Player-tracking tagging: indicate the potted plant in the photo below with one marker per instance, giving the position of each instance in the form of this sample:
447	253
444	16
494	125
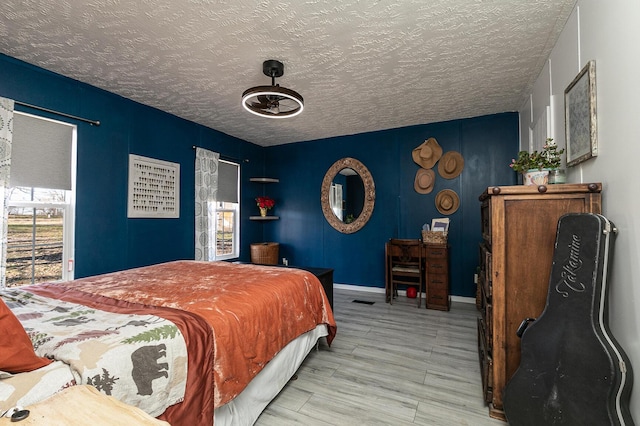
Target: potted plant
535	166
551	155
553	161
265	203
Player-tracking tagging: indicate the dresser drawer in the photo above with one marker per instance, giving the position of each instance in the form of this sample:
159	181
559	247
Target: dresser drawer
488	318
436	251
486	311
482	291
437	267
486	364
485	269
437	282
485	218
438	296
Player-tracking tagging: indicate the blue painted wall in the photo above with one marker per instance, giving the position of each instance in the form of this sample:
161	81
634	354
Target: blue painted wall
487	145
107	241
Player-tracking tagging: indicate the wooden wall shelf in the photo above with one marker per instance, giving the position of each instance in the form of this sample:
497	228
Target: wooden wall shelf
264	180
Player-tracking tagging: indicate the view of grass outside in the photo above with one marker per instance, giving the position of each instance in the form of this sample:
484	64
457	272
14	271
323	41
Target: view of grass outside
34	257
224	231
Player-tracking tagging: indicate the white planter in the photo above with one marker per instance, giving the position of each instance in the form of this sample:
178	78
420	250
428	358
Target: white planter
535	177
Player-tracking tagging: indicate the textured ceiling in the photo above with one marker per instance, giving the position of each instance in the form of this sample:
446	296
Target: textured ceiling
361	65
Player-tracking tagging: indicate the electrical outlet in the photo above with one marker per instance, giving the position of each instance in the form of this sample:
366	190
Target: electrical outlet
285	261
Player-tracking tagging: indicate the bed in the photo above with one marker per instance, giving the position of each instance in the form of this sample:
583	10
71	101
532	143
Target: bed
185	341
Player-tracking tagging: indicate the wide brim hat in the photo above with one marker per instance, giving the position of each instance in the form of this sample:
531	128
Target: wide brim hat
450	164
424	181
447	201
427	154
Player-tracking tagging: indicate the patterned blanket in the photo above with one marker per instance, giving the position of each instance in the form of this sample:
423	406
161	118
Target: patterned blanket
28	388
234	319
138	359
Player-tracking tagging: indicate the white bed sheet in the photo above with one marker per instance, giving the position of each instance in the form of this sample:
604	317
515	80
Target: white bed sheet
245	408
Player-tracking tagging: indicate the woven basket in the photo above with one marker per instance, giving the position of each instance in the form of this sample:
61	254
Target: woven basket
434	237
265	253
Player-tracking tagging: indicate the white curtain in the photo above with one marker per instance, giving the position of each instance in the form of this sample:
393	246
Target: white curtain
206	194
6	136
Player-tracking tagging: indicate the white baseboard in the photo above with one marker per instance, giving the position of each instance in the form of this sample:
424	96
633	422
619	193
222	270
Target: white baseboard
362	288
463	299
352	287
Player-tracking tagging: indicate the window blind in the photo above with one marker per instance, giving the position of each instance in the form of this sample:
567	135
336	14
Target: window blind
41	153
227	182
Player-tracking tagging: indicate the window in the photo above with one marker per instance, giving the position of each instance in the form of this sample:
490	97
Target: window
225	230
38	218
226	212
41	202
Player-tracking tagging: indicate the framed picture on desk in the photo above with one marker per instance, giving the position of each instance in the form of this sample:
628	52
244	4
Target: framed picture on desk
440	225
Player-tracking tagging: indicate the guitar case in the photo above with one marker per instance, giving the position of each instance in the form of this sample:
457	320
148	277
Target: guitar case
572	371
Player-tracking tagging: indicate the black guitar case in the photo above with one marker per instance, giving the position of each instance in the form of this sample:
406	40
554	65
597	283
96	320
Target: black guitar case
572	371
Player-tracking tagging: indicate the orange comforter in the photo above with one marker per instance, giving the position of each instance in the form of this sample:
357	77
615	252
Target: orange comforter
253	311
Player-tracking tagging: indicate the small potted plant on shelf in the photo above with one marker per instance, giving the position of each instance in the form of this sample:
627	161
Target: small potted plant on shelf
535	166
265	203
553	161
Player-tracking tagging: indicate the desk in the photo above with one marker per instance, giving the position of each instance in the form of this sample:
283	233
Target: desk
435	261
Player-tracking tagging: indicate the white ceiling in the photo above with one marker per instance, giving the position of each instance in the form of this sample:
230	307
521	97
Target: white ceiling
361	65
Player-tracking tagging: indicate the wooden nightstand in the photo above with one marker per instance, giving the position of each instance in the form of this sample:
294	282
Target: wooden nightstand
325	275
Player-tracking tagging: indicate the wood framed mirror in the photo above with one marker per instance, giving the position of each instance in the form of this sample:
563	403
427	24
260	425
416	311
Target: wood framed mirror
347	179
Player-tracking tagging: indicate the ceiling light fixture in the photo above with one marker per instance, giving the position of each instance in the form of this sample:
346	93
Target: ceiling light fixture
272	101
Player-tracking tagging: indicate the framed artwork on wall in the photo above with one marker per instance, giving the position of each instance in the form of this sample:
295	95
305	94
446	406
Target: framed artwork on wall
580	116
154	188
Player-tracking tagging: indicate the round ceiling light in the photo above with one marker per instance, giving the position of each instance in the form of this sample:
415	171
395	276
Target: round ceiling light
272	101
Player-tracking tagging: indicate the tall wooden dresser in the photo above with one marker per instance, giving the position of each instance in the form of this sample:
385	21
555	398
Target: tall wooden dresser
518	232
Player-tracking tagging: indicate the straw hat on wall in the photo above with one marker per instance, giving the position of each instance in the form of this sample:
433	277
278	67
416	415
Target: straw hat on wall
450	164
427	154
447	201
423	183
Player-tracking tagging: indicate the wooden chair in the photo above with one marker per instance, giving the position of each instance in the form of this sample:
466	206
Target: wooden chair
404	266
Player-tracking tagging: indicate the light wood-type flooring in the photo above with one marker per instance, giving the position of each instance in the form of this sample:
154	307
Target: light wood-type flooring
388	365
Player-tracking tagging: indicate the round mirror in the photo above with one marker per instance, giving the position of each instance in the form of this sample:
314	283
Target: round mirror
347	195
